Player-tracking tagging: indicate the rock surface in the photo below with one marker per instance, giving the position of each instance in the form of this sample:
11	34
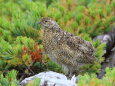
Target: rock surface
109	40
51	79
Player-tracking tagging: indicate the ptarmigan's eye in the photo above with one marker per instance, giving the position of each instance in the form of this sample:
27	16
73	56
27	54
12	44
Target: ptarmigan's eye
46	21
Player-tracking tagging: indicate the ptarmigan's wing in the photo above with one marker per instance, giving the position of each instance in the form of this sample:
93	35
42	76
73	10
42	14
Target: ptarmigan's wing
83	49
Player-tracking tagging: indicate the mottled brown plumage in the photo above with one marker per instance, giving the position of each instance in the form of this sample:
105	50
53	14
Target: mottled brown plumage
67	50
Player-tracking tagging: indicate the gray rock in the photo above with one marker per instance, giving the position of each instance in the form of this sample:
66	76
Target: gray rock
51	79
109	40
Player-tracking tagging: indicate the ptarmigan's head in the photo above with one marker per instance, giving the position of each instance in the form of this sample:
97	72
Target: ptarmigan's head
48	23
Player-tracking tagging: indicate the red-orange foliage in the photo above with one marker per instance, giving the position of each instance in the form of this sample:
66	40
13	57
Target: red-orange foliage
36	53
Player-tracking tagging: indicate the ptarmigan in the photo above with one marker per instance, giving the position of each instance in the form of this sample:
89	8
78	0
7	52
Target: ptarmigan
69	51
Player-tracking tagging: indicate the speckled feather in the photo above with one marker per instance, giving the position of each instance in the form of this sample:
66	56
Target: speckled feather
66	49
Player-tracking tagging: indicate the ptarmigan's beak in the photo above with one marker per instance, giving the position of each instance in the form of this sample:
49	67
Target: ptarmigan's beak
38	22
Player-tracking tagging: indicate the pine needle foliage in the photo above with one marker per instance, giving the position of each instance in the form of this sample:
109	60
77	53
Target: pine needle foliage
10	79
107	80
